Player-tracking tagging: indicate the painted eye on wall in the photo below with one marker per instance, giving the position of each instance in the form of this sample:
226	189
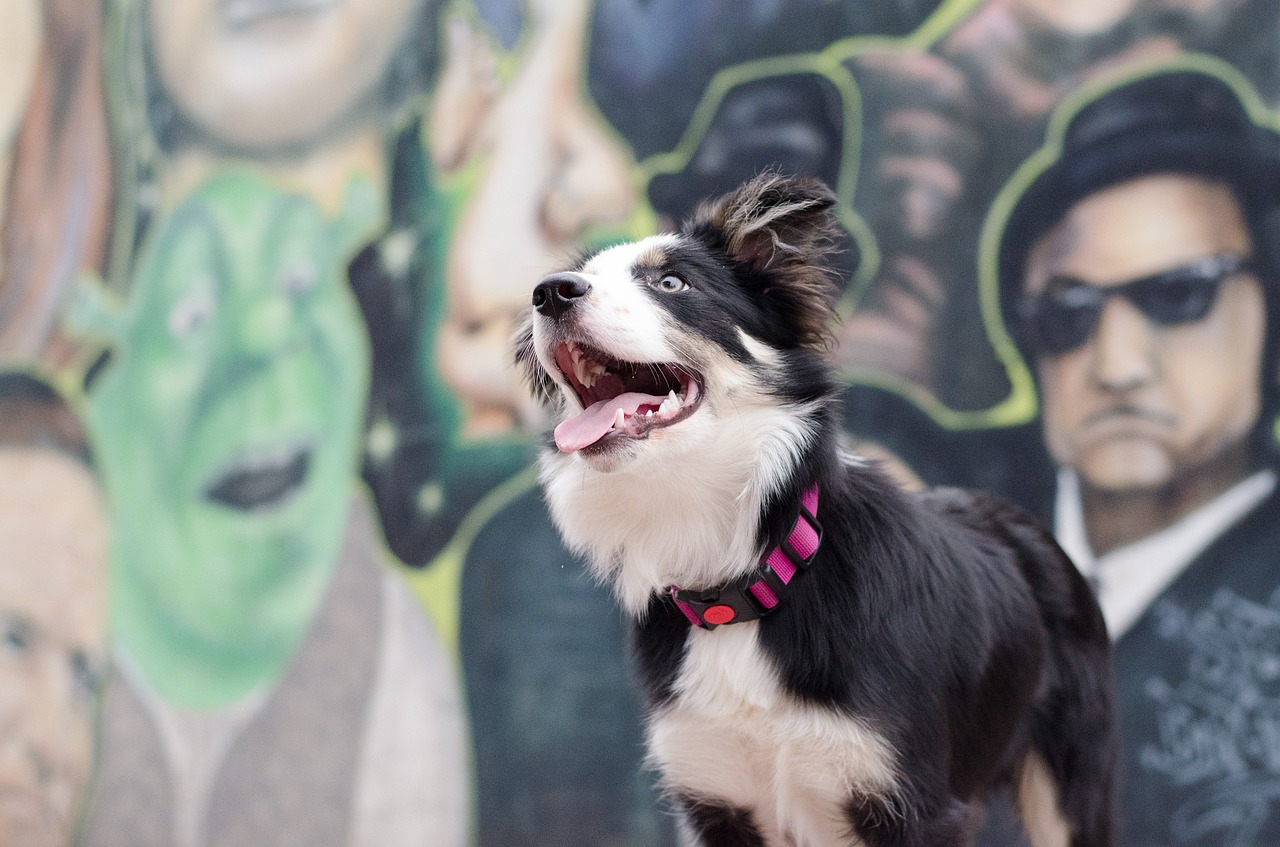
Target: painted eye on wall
15	636
191	314
299	279
670	284
87	675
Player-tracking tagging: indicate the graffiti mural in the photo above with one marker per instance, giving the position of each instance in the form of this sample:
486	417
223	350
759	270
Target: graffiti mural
255	631
259	266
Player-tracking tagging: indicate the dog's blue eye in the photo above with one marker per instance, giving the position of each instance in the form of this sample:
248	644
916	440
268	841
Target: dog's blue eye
671	284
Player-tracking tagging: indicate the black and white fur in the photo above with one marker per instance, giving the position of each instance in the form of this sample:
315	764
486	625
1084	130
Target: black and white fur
940	645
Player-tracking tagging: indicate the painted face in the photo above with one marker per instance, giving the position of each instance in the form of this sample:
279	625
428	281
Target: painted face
228	423
1144	400
553	175
53	636
261	73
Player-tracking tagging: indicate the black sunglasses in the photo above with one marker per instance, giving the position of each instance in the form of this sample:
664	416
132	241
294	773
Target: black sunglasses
1065	317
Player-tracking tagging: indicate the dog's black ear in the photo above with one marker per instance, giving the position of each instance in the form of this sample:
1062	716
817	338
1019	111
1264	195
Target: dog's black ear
784	229
540	383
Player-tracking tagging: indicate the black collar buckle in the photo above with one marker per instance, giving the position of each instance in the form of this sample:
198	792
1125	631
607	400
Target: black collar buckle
732	603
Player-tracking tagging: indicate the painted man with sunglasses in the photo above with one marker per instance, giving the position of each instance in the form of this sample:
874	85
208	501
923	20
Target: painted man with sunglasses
1138	277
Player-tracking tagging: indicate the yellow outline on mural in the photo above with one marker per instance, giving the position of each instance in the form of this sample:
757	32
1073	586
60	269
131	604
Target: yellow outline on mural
438	586
133	148
826	65
947	16
1018	406
830	63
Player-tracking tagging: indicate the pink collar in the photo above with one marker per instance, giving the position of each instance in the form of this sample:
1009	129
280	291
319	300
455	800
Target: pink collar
758	593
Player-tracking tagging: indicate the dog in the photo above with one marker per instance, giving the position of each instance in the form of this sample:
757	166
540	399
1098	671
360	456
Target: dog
828	660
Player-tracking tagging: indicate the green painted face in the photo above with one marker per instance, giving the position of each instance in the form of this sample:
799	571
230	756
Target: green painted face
228	424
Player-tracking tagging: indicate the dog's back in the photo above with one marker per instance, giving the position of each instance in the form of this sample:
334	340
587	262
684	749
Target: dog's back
1072	730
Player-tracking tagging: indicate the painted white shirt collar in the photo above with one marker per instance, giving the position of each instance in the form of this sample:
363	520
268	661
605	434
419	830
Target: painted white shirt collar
1129	578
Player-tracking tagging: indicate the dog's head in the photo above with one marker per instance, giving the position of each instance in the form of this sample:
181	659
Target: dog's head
651	347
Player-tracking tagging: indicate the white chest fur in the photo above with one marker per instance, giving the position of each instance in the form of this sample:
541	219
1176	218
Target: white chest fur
731	734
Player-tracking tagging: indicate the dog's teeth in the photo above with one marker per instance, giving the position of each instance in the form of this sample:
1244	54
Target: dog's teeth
620	420
669	405
582	369
587	370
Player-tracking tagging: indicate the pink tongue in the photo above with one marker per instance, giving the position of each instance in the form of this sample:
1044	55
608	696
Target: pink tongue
597	421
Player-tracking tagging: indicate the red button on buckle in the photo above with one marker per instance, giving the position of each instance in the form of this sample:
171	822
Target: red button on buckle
719	614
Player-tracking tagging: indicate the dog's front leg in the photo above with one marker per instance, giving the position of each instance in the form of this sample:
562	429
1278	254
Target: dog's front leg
714	824
876	824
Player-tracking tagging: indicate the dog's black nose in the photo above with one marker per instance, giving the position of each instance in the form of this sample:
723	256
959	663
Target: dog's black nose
556	293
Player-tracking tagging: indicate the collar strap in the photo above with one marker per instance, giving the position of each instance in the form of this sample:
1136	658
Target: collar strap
760	592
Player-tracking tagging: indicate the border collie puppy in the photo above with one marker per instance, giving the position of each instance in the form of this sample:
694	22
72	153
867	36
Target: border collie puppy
828	660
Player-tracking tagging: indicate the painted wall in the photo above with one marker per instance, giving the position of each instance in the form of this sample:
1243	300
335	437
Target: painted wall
260	263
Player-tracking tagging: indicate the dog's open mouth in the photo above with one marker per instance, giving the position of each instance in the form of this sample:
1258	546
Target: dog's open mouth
621	399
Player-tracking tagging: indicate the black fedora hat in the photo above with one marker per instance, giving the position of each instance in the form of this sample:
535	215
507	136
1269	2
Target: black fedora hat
1175	121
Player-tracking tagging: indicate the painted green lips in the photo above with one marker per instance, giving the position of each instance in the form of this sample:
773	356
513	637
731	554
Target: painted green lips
262	483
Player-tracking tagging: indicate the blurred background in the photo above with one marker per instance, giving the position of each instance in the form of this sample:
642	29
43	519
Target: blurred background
274	568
